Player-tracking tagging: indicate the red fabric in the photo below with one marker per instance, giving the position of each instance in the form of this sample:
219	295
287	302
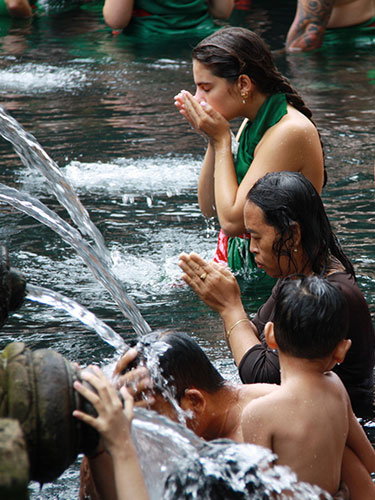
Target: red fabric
221	255
242	4
141	13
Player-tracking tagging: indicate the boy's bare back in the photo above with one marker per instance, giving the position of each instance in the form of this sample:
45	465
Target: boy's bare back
306	423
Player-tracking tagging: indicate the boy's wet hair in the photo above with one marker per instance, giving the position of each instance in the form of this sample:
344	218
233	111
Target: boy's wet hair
310	317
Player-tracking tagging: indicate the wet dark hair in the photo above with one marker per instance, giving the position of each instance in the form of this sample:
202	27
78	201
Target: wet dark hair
311	317
232	51
287	198
182	364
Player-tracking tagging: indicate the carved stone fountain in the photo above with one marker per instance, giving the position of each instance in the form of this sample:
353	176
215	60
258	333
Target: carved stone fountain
39	437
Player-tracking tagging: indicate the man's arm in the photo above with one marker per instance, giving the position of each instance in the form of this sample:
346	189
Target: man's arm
113	422
19	8
309	25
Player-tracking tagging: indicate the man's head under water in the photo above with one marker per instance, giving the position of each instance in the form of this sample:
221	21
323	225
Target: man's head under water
182	376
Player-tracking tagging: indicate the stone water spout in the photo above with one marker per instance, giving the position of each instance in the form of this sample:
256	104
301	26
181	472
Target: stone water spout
12	287
36	389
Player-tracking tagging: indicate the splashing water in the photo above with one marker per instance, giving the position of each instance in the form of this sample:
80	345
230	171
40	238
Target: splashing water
176	462
36	209
152	347
34	156
76	310
178	465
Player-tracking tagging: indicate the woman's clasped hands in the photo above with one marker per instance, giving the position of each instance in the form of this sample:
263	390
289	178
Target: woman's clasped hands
215	284
202	117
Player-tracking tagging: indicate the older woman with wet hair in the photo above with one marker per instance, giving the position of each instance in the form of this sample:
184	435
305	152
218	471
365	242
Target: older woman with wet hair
289	233
235	76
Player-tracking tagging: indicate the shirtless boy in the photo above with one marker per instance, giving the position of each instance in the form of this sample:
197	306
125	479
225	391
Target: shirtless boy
313	17
309	422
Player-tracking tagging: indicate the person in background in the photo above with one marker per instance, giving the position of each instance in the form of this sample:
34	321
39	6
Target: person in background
290	233
315	19
166	17
16	8
235	76
24	9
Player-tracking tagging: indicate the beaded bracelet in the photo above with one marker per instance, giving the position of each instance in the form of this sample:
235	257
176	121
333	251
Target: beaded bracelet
229	331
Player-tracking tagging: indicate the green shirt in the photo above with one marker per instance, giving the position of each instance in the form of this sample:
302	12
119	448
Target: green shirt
171	17
271	112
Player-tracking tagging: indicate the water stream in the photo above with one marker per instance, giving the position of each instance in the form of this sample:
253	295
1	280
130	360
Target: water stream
102	107
36	209
77	311
34	156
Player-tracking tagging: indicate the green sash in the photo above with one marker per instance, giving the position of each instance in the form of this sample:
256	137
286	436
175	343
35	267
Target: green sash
171	17
357	36
271	111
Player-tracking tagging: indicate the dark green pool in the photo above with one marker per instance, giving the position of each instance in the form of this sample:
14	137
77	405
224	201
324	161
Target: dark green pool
102	107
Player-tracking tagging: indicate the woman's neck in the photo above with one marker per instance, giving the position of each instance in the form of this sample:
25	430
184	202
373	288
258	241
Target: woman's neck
254	104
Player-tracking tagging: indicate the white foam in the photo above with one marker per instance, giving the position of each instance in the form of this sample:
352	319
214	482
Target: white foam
132	177
30	78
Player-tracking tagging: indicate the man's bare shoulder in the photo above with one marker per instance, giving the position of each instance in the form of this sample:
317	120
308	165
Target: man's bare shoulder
260	406
252	391
255	398
257	420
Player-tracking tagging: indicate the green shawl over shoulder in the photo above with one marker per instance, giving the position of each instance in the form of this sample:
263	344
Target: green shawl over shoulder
271	111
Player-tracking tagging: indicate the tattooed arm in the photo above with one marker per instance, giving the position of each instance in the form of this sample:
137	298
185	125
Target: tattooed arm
309	25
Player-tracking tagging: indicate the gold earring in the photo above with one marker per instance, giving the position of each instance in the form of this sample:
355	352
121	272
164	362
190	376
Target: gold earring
244	96
295	250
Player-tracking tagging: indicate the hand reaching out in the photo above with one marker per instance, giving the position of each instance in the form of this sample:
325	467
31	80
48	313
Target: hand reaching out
114	425
137	380
113	421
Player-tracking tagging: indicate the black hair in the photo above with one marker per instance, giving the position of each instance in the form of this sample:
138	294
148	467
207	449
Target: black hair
287	198
181	362
232	51
311	317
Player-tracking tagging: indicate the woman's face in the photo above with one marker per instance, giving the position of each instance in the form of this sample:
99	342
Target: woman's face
261	244
223	96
